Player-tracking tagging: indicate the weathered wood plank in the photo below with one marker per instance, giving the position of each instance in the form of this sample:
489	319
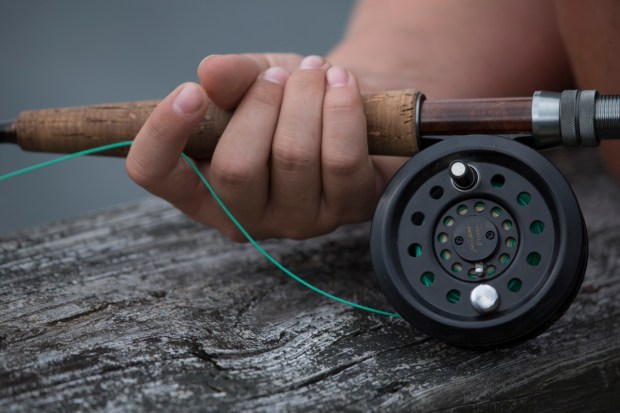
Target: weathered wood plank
135	308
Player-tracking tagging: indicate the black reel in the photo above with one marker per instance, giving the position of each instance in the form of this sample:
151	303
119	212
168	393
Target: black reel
479	241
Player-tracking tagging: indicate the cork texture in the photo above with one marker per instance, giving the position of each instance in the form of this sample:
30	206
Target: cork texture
391	121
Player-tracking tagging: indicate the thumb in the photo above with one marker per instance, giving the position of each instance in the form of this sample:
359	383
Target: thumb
226	78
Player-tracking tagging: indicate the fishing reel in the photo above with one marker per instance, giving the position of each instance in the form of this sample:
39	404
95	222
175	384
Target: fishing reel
479	241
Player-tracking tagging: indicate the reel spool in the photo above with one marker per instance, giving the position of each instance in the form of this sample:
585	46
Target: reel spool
479	241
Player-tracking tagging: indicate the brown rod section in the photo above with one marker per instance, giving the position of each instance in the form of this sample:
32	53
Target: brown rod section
468	116
390	116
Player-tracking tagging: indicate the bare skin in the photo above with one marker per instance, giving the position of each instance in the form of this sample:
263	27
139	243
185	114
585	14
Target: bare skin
294	160
591	31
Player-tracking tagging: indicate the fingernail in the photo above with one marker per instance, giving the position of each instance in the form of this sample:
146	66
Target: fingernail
211	56
188	101
312	62
337	76
276	74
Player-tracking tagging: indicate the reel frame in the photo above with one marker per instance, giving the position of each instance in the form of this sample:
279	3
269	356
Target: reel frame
522	252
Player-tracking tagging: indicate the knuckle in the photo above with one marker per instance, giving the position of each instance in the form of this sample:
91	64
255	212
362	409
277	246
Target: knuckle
291	157
342	164
342	101
266	93
157	127
139	174
343	112
304	79
231	174
341	120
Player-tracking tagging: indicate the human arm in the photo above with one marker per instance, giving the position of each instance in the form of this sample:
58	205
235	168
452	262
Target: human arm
591	32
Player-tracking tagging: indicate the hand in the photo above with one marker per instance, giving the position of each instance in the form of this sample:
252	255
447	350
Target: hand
293	161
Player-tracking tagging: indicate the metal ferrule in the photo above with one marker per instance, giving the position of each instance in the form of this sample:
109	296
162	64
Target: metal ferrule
574	118
418	121
546	119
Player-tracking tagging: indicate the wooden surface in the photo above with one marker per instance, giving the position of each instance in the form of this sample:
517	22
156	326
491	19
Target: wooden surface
135	308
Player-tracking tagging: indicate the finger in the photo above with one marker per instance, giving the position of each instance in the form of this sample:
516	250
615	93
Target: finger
295	171
348	175
154	159
239	169
227	78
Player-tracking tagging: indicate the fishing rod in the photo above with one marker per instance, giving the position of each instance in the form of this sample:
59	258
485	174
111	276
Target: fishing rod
478	240
400	123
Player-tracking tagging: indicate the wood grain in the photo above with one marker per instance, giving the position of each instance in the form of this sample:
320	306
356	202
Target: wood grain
137	309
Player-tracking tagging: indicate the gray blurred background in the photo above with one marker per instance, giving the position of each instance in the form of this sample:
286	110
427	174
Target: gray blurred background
76	52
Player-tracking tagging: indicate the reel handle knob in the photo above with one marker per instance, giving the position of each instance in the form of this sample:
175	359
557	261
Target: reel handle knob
463	176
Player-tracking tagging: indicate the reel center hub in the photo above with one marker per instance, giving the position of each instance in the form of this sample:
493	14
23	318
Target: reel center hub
475	239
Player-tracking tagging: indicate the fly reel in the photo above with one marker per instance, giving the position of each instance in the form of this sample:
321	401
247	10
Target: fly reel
479	241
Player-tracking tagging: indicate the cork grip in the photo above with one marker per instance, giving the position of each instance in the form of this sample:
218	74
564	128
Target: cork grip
390	116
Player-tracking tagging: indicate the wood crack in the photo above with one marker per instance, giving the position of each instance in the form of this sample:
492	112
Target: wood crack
74	317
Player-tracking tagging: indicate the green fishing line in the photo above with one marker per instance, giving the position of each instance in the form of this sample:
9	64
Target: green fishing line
224	208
